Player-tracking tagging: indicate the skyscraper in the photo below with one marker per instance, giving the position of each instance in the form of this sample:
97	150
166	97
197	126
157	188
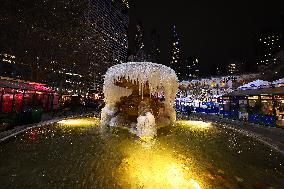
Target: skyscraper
234	67
110	19
11	67
69	44
137	50
105	34
175	58
190	69
282	32
268	45
155	50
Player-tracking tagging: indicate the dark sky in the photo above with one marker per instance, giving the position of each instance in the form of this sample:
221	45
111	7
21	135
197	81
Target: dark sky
217	31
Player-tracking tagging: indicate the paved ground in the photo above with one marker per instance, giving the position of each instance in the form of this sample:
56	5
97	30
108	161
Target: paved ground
272	136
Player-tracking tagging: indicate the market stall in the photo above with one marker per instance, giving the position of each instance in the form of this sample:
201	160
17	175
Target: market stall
262	106
23	102
254	109
243	108
279	110
224	107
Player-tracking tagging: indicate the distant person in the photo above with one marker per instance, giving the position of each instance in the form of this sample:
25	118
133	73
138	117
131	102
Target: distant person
188	111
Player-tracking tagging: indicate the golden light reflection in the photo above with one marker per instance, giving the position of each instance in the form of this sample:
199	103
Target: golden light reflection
79	122
146	138
155	168
194	125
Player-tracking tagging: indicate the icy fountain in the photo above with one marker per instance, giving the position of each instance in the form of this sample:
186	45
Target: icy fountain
139	96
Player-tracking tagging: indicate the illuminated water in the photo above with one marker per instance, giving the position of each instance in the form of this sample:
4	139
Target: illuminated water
77	154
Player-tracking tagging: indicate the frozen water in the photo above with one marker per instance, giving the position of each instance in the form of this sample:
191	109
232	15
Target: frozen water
146	126
160	79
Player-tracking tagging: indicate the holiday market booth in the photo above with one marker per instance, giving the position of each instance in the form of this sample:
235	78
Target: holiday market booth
263	106
23	102
255	85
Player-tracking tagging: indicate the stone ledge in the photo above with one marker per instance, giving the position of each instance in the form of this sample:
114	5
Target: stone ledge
20	129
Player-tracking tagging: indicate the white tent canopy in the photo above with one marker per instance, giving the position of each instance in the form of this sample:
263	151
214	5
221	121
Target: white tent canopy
255	84
279	81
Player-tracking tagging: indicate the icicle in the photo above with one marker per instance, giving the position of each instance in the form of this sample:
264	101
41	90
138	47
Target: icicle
139	86
158	77
142	87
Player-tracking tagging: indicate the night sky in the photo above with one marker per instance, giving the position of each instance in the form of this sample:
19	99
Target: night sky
215	31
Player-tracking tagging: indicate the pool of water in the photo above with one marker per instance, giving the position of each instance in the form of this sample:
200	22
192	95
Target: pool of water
192	154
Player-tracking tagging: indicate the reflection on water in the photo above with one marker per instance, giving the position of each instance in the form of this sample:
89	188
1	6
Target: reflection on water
79	122
194	125
75	154
155	167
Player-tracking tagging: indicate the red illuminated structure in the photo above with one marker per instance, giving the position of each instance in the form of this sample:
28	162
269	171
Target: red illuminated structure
19	97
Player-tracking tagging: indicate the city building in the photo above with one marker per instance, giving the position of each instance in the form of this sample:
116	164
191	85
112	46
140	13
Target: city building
282	32
109	22
74	56
10	67
194	65
110	19
190	68
218	71
175	58
155	50
268	45
137	49
234	67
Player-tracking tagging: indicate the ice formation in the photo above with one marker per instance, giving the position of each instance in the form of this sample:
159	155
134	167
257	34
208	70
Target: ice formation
146	125
135	89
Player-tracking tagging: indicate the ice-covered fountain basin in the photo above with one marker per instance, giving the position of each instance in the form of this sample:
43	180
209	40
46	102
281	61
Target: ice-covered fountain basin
140	96
159	78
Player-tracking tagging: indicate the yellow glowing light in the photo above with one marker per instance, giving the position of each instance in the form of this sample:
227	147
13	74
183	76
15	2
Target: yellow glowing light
153	168
79	122
194	125
146	138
